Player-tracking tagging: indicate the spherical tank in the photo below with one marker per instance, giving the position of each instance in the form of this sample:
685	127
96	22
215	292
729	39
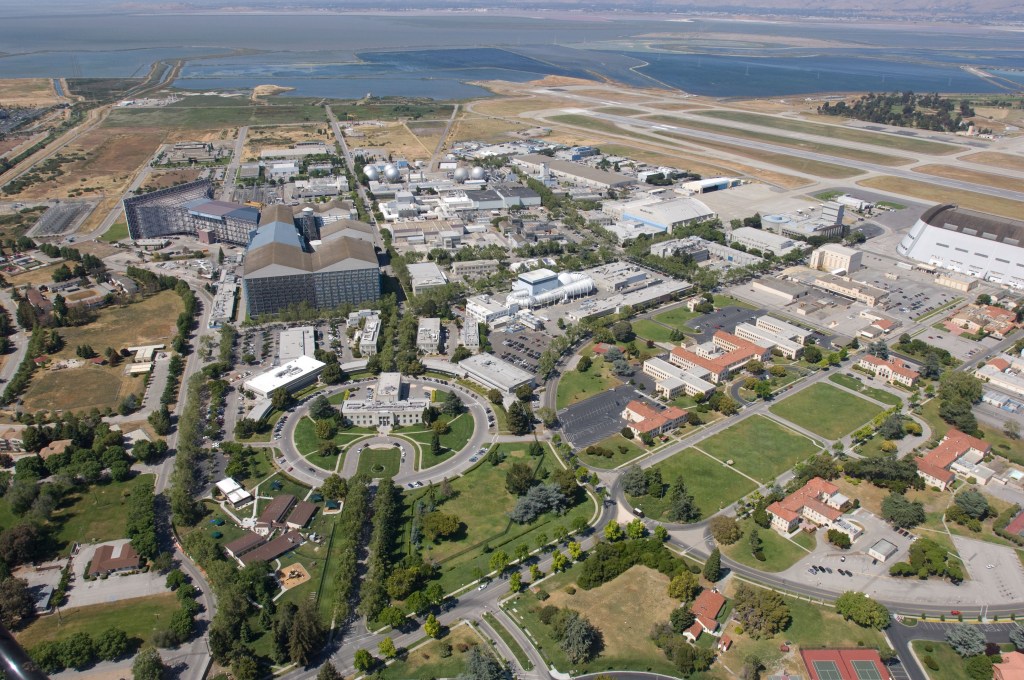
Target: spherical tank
477	173
371	173
391	173
461	175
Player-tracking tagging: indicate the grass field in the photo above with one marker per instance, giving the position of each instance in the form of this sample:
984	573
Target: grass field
624	610
782	140
426	662
678	318
461	429
379	462
613	443
712	484
117	232
650	330
80	388
826	410
839	132
867	390
999	160
574	387
506	637
483	504
150	321
185	115
760	447
779	552
139	617
930	192
95	515
973	176
949	662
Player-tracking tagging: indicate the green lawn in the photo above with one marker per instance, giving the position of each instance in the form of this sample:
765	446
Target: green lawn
678	318
712	484
574	387
379	462
615	443
729	301
779	552
117	232
461	429
949	662
875	393
650	330
483	504
139	617
760	447
426	662
218	117
94	515
826	410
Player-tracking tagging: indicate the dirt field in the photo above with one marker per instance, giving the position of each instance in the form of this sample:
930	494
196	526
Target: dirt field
393	136
975	177
81	388
162	180
292	575
428	132
484	129
779	106
27	92
1000	160
675	107
515	106
623	609
278	136
930	192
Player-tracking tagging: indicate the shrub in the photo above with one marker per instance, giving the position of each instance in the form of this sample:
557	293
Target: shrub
930	662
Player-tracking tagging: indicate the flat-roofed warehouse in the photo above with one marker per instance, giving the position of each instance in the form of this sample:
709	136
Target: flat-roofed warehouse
490	371
292	376
983	246
572	172
281	270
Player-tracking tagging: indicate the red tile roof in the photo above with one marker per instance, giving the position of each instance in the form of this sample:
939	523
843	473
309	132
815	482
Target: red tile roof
999	363
653	419
744	351
695	630
103	560
791	507
710	625
954	445
1017	525
708	604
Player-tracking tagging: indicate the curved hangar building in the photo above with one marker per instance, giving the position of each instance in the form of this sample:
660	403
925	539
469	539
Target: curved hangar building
979	245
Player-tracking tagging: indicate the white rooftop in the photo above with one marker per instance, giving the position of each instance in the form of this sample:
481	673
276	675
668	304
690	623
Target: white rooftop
283	375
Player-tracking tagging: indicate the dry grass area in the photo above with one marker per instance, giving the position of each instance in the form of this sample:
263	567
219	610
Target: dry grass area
973	176
34	277
111	159
676	107
623	609
27	92
427	131
162	180
1000	160
779	106
506	106
485	129
997	118
82	388
279	136
395	137
148	322
617	95
936	194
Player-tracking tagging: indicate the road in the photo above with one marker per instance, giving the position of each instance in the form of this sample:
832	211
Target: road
351	165
228	187
432	165
900	637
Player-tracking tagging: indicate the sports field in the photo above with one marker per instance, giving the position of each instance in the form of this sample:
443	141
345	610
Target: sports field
826	410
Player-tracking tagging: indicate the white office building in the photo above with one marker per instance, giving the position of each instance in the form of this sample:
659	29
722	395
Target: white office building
389	406
763	240
428	336
489	310
773	341
469	335
369	335
836	258
296	342
492	372
292	376
426	275
671	380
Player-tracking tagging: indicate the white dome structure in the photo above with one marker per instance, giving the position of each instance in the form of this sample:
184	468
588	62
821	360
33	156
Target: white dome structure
477	173
461	175
391	173
371	173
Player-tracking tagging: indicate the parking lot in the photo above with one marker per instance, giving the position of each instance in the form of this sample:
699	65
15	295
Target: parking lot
597	418
520	347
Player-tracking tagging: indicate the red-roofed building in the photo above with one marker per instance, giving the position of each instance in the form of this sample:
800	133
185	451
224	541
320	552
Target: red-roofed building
884	325
995	321
725	354
104	561
693	633
893	369
844	664
1016	525
642	418
1010	668
817	501
708	604
724	643
957	453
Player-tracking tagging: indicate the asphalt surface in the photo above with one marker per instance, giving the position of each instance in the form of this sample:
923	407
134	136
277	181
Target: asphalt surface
900	637
597	418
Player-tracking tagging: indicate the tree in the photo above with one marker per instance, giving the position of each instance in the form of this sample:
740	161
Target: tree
957	412
622	331
681	619
519	478
762	613
434	593
524	393
515	582
160	419
575	550
321	409
1017	637
307	634
634	481
329	672
435	443
839	539
16	602
452	404
713	567
862	610
584	364
612	531
482	666
148	665
580	640
386	647
77	651
432	627
812	354
1011	428
519	418
978	667
364	661
683	586
726	530
392	616
973	503
437	525
901	512
559	562
494	396
966	640
334	487
681	507
280	399
756	543
332	374
175	579
499	561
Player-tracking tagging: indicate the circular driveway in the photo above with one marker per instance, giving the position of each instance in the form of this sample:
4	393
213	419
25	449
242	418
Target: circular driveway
299	467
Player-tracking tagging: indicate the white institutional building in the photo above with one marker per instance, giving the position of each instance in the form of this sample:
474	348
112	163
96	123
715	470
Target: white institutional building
388	407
